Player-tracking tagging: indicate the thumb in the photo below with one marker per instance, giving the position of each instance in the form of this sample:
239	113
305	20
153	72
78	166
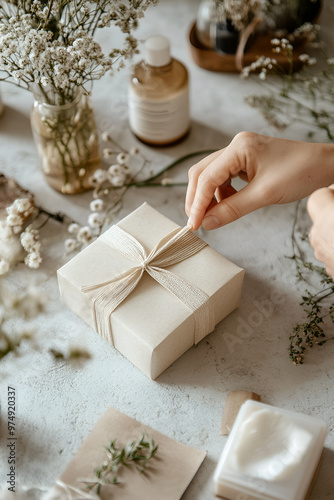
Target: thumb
232	208
319	201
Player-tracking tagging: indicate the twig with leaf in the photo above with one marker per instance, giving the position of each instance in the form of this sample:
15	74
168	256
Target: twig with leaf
135	454
318	304
306	96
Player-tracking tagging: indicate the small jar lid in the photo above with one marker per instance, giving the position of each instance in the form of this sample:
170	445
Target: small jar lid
157	51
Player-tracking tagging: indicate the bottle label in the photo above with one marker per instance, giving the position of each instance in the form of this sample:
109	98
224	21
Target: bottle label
159	120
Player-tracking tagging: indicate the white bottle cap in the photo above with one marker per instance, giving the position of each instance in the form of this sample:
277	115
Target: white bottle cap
157	51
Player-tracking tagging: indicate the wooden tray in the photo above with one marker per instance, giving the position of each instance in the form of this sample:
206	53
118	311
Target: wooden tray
258	45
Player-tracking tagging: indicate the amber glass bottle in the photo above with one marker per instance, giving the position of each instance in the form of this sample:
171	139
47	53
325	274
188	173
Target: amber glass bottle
159	96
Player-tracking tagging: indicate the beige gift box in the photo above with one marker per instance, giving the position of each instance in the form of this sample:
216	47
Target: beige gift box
152	327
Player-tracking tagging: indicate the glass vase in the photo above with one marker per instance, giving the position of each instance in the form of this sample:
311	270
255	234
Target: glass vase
67	142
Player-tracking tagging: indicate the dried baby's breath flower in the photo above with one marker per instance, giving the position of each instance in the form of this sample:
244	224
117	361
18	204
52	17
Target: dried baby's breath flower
73	228
85	235
122	158
115	169
70	245
33	260
134	151
100	176
106	137
51	44
296	96
95	220
239	12
96	205
4	266
14	219
166	181
107	152
117	180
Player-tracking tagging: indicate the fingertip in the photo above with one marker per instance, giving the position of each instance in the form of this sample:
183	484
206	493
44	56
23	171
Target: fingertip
318	201
190	224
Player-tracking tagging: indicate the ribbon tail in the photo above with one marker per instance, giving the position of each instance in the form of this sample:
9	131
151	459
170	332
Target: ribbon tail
96	286
179	245
109	298
192	297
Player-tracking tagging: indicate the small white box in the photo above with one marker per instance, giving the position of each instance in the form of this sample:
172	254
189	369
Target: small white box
271	454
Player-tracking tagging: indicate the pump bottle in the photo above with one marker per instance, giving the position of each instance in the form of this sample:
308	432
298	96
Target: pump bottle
159	96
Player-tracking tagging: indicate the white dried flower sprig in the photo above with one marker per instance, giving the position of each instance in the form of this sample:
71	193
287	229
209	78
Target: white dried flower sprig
31	244
304	96
20	232
51	44
14	238
110	186
18	213
239	12
26	304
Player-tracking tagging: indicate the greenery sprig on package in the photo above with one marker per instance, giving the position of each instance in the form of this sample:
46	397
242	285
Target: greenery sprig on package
135	455
317	300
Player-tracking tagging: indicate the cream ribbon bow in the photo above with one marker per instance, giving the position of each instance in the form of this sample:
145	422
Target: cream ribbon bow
173	248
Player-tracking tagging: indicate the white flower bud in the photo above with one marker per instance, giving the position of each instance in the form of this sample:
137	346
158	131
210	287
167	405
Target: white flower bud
122	158
106	137
33	260
73	228
107	152
96	205
95	220
115	169
100	176
117	180
134	151
14	220
4	266
166	181
70	245
27	240
84	235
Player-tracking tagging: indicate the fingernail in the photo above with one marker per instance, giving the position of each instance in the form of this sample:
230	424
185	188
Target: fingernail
210	222
190	223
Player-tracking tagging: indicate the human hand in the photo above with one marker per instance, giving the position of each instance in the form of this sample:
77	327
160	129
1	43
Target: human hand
320	206
277	171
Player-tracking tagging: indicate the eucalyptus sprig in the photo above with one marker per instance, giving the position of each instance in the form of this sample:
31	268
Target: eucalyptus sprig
135	454
318	304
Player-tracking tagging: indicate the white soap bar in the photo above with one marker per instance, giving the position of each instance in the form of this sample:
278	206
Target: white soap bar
271	454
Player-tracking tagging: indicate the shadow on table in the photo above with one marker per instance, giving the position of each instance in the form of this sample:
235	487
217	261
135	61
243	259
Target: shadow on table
236	354
323	488
200	138
14	123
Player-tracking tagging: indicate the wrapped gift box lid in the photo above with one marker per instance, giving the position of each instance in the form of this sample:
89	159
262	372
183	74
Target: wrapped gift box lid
151	327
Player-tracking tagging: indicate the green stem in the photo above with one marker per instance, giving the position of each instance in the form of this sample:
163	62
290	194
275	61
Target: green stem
148	181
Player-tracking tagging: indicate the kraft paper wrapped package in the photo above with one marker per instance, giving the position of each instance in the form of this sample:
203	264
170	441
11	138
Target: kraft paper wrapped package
150	288
166	477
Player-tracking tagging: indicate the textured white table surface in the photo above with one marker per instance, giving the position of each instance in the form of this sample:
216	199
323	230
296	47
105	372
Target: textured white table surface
59	403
